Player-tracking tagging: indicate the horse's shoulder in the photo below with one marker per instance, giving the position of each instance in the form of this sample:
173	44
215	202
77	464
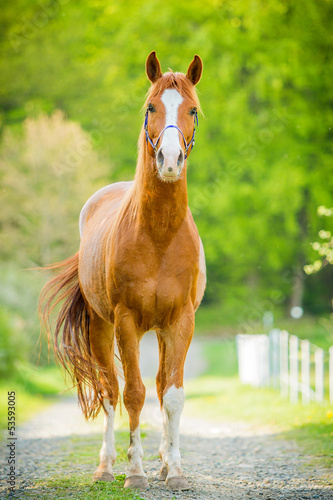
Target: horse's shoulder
105	194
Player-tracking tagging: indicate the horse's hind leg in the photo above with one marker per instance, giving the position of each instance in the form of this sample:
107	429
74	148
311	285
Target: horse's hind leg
102	345
160	386
134	393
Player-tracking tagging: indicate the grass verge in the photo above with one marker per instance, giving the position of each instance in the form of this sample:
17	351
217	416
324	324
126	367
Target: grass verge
80	487
217	398
35	388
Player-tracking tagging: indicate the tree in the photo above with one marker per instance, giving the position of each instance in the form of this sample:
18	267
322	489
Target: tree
47	173
261	165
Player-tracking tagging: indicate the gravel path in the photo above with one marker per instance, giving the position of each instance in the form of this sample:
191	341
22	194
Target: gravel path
223	461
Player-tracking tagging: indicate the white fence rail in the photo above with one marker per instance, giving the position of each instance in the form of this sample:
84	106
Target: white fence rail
284	361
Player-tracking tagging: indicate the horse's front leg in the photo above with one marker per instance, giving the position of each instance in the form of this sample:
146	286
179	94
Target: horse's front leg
102	345
134	394
176	340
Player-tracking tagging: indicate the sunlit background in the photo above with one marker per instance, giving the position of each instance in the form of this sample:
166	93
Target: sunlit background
72	86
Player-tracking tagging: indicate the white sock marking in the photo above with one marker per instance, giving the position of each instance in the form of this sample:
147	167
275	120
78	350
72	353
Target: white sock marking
108	453
173	403
164	439
135	454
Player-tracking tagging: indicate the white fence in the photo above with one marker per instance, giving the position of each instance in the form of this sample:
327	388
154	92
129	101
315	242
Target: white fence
284	361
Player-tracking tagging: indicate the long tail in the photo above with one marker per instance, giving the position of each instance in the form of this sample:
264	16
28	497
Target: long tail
69	333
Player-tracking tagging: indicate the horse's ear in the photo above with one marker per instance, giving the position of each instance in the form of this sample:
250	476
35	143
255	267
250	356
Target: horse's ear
194	70
153	67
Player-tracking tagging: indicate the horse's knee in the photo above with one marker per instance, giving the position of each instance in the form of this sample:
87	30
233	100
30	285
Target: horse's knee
173	401
134	397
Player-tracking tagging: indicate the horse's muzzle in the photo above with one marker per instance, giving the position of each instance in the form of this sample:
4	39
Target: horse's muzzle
169	164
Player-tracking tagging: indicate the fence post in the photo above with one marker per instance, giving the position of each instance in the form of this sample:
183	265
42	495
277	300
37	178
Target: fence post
284	365
274	353
331	374
293	377
305	367
319	374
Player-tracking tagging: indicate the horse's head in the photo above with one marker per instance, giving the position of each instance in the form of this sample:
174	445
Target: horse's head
171	116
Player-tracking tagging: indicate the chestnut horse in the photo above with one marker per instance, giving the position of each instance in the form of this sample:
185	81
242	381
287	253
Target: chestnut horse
140	267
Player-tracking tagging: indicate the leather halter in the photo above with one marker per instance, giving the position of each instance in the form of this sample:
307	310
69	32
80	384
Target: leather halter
154	146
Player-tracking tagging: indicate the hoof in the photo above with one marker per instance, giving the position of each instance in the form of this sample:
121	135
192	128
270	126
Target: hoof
103	476
163	473
177	483
136	482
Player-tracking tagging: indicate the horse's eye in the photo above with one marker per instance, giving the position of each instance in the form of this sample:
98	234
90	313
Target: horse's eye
151	108
193	112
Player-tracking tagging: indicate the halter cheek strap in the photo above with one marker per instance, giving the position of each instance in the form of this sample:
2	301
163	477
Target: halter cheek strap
187	146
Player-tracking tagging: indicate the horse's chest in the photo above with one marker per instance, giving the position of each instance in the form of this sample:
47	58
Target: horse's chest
156	285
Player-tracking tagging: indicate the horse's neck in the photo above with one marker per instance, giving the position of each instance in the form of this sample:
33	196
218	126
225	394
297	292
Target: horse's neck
162	206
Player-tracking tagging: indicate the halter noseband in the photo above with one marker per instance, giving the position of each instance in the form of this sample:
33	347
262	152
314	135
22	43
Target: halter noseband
187	146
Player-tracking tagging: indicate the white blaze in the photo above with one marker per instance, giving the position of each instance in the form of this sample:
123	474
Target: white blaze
171	99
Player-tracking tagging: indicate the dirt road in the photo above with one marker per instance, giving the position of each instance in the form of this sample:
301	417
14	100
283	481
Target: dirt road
223	461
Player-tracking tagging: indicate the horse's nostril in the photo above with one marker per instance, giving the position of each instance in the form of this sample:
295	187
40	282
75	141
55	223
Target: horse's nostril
160	157
180	159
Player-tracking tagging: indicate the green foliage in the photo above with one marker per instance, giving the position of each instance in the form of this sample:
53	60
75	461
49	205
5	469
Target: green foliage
46	177
319	331
222	357
20	338
324	247
261	164
7	345
46	381
35	388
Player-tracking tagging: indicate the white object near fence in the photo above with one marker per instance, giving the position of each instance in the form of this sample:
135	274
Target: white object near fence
305	353
319	374
293	376
284	360
253	359
284	363
274	357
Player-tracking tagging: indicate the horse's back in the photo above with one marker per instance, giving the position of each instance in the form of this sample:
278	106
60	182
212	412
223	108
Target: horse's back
108	195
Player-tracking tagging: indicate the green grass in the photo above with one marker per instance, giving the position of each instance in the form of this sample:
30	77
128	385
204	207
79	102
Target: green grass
80	487
221	357
219	395
84	452
35	388
217	398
